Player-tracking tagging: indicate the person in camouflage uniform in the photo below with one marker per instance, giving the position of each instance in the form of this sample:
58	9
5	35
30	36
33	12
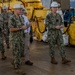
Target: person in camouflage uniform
1	41
54	23
5	17
16	28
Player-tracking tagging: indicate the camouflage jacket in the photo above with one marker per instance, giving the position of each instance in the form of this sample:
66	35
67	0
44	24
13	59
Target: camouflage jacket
15	22
5	16
52	21
1	27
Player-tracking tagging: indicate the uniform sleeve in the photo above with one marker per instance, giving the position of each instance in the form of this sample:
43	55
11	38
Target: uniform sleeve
61	21
48	22
11	22
1	22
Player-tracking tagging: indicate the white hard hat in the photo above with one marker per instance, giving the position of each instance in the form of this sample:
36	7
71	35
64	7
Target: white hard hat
22	7
54	4
17	6
4	7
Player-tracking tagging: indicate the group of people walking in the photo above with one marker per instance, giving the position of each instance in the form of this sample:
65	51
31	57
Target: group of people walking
19	27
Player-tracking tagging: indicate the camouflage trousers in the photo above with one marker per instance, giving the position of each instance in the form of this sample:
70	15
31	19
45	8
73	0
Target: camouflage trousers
27	46
56	40
1	45
6	37
22	51
17	47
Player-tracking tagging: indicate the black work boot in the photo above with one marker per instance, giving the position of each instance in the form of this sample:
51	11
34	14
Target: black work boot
53	61
29	63
65	61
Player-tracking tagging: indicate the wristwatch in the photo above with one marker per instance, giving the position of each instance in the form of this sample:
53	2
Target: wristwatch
20	28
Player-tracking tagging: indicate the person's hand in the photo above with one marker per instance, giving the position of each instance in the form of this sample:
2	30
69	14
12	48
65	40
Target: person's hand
58	27
29	24
23	27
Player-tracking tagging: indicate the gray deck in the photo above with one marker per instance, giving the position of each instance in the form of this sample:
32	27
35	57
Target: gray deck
41	59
